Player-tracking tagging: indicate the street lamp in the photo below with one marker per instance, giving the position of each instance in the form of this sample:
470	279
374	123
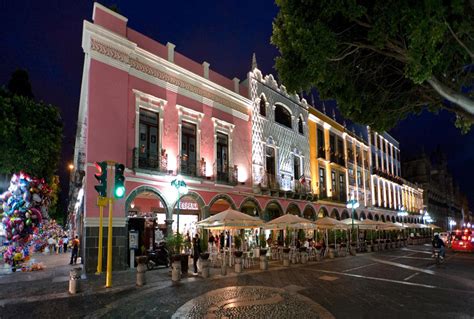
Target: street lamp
352	204
182	189
452	223
402	213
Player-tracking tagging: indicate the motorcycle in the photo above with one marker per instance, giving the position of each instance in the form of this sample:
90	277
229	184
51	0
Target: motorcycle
158	257
437	256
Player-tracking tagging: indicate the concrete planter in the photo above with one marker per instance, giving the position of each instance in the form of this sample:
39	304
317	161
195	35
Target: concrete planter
176	271
331	253
304	257
369	248
286	259
205	268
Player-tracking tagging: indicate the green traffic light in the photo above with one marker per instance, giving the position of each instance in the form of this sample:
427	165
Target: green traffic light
119	192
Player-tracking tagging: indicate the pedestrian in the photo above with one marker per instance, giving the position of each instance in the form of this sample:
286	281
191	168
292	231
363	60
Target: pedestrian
61	244
51	244
65	242
211	240
75	250
56	245
196	252
221	241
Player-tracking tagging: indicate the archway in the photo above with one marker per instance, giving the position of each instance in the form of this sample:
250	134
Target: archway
376	217
383	218
191	210
335	214
293	209
362	216
369	216
309	213
345	214
393	219
146	211
356	215
220	203
272	210
323	212
250	206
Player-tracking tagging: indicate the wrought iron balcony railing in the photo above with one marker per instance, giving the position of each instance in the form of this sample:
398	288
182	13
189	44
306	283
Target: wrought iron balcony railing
150	161
225	174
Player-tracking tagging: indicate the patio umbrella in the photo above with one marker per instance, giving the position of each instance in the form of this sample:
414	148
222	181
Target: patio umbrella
230	219
362	224
290	221
330	223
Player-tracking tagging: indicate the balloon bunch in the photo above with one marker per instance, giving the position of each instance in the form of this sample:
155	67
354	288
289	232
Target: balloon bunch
24	206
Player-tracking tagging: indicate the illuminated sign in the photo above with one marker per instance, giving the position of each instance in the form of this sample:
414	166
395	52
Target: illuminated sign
185	205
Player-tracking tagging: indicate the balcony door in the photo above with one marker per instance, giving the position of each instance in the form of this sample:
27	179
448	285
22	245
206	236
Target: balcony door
148	132
188	149
222	164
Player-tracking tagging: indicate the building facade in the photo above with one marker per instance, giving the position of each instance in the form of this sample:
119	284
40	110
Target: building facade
442	197
247	145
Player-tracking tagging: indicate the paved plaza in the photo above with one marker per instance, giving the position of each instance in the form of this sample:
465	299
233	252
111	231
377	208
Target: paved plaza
391	284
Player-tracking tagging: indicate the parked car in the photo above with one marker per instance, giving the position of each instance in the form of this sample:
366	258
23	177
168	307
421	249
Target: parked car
462	240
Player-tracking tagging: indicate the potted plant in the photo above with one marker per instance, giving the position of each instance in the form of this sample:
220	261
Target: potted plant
175	244
238	244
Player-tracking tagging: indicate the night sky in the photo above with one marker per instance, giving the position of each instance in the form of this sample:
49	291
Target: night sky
45	38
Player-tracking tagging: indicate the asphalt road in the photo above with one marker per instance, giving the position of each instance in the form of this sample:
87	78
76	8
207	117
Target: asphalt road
402	283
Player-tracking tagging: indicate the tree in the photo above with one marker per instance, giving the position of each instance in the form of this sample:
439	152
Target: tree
30	135
380	60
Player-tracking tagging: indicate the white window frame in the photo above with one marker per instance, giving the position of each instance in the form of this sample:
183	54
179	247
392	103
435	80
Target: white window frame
194	117
226	128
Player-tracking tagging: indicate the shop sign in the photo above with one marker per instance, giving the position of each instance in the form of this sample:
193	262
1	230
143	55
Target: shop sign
185	205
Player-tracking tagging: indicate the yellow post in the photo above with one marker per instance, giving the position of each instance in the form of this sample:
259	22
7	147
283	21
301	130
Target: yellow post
101	235
108	280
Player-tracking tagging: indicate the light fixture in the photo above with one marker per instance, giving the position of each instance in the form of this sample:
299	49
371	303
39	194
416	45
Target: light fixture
132	205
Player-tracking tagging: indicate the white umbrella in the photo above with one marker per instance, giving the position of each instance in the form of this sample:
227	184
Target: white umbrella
290	221
330	223
230	219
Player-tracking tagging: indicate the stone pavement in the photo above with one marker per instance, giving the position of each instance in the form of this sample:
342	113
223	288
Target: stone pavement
389	284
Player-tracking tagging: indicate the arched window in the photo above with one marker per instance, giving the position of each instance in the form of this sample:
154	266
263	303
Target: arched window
300	126
282	115
263	107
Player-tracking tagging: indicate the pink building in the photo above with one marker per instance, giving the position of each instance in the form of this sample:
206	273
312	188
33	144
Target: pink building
161	114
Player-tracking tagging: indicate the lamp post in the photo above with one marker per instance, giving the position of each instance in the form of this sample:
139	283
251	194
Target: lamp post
402	213
182	189
353	204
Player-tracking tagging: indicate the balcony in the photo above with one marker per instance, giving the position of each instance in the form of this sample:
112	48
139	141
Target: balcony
270	181
393	178
226	175
321	153
148	161
192	168
341	197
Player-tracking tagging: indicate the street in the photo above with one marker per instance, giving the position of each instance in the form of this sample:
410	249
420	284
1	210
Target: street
390	284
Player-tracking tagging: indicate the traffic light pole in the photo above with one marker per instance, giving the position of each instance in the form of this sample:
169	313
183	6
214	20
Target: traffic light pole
108	280
101	202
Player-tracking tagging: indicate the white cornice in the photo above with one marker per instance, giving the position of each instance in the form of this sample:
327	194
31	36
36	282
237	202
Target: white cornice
131	50
115	14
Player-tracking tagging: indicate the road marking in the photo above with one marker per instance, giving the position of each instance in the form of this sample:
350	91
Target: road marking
430	272
408	257
418	251
376	278
360	267
411	276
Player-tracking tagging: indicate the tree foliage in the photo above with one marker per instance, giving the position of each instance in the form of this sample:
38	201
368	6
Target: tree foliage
380	60
30	135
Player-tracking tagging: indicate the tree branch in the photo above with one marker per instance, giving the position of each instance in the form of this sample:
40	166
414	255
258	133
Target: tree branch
343	56
471	54
459	99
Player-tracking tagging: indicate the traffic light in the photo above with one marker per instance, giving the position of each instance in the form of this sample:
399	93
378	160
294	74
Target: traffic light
119	187
101	177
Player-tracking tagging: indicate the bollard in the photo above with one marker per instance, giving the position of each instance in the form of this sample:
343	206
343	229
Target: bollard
331	253
205	268
263	262
176	271
238	265
286	259
141	269
74	276
224	266
304	257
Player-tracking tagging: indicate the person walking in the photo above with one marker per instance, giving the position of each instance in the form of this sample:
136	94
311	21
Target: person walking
51	244
75	250
61	244
196	252
65	242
